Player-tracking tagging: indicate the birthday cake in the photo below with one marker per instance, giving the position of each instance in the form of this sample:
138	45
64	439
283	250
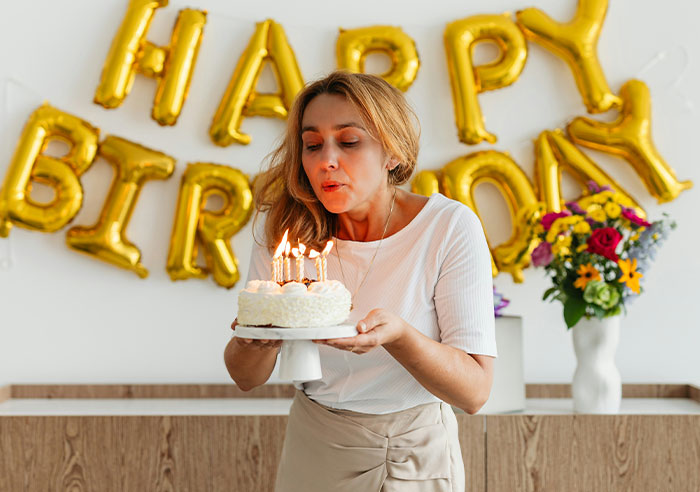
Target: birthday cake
299	303
293	304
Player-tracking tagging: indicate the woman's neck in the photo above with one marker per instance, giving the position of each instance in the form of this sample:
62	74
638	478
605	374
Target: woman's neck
368	223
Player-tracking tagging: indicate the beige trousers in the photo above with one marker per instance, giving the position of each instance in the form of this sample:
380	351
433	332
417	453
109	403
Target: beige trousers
413	450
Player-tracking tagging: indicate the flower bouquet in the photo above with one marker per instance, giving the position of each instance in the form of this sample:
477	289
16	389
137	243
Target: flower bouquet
596	251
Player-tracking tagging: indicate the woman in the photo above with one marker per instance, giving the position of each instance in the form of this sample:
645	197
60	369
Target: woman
419	272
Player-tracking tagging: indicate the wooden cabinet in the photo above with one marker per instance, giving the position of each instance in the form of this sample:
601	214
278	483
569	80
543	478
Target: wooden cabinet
544	448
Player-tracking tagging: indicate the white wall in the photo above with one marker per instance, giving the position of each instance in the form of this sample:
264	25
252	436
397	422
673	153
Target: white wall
67	318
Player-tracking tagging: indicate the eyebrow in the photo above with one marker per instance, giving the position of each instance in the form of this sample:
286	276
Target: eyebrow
336	127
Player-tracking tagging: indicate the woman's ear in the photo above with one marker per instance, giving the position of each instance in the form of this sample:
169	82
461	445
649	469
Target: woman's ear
392	163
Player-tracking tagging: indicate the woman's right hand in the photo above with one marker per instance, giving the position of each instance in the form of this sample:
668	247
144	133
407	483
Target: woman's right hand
255	343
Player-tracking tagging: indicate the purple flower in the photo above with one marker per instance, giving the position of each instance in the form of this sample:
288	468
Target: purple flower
575	208
499	302
549	218
593	186
542	254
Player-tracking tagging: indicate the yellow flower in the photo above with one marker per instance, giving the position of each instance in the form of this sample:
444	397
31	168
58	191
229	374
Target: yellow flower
613	210
539	229
561	252
560	225
634	237
619	198
597	213
582	247
582	227
561	246
586	273
602	197
630	275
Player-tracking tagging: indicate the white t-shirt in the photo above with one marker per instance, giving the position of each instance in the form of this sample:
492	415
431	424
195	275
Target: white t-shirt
435	273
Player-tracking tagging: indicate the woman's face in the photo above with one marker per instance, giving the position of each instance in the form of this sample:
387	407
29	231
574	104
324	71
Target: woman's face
345	165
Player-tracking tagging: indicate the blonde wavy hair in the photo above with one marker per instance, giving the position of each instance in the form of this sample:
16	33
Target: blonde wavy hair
283	190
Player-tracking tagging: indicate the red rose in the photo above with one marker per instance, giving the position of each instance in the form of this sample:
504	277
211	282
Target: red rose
604	241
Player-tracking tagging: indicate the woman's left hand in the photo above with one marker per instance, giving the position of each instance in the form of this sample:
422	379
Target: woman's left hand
379	327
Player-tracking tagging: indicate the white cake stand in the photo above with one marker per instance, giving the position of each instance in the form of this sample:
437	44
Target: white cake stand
299	359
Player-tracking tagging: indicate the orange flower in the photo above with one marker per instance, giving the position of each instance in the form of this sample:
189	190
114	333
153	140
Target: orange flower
586	273
630	275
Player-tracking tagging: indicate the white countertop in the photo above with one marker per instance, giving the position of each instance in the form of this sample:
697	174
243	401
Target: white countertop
280	406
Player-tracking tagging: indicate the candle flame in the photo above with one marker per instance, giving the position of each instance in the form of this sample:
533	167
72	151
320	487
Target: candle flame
287	248
313	254
302	248
327	249
280	248
296	253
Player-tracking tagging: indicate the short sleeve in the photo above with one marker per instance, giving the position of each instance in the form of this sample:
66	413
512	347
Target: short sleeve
464	290
260	263
259	267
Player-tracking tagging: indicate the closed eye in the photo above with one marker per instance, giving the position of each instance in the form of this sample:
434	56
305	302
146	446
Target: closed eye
344	144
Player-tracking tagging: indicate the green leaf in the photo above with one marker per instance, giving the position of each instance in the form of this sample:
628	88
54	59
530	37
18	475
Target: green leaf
574	309
548	293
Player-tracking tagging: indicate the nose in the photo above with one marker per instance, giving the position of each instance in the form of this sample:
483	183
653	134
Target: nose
328	157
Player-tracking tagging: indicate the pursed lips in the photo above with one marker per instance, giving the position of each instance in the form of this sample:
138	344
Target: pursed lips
331	186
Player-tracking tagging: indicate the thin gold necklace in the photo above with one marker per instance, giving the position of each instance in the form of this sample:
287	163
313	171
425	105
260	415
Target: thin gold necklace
386	226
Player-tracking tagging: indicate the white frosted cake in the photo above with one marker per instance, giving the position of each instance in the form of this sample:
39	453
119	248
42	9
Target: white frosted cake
293	305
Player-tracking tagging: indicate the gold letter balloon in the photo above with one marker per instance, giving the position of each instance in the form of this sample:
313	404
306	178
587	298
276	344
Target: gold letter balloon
554	153
354	45
268	44
468	80
213	230
576	42
629	136
460	178
133	165
426	183
30	165
171	66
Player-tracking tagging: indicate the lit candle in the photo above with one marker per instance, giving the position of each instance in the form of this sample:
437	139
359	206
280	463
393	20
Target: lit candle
299	255
287	262
277	259
315	255
324	261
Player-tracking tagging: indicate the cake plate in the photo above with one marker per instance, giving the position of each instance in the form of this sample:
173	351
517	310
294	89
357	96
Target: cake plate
299	357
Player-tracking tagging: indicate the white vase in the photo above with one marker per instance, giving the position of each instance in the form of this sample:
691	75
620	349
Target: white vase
597	387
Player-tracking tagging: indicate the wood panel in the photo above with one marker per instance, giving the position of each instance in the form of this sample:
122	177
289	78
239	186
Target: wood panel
5	393
694	393
628	390
123	454
472	439
150	391
287	391
593	452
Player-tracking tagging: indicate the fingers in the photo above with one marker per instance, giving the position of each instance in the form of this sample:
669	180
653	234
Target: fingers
234	324
260	344
359	344
373	319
